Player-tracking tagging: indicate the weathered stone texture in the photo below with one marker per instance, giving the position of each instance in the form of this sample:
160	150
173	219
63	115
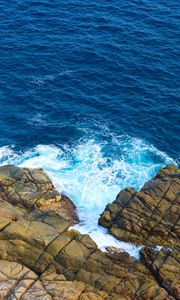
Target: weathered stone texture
165	265
40	258
150	216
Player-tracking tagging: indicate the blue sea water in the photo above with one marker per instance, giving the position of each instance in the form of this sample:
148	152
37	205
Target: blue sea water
89	90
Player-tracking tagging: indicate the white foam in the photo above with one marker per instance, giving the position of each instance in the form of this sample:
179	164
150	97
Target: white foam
92	176
103	239
7	155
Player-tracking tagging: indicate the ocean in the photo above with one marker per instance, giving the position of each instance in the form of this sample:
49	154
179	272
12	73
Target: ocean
89	90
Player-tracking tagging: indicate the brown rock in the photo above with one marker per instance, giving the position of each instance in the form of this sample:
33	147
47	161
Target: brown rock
150	216
19	282
31	189
41	259
165	265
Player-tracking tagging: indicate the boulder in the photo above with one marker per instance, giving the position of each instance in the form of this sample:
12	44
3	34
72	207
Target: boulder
150	216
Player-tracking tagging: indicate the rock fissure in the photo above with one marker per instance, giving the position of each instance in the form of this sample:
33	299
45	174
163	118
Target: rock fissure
46	260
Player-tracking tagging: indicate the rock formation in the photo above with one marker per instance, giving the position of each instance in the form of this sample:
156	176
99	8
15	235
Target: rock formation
40	258
150	216
165	265
31	189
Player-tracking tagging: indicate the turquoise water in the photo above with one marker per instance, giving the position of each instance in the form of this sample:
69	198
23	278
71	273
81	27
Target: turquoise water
91	175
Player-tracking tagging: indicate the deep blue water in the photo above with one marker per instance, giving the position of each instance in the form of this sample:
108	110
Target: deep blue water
89	90
74	63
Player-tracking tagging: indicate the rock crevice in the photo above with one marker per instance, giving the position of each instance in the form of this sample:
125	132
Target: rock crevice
148	217
40	258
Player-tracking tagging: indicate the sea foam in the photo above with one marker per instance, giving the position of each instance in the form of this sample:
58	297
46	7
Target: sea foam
92	174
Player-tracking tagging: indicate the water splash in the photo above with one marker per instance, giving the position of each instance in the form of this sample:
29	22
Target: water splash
92	174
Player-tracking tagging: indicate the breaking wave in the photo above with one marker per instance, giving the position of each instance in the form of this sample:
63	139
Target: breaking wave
92	174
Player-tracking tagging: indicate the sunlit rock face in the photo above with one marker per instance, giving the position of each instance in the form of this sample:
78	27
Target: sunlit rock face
164	264
150	216
33	191
40	258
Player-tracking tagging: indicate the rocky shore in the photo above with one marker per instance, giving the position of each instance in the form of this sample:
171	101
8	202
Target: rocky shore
41	258
150	216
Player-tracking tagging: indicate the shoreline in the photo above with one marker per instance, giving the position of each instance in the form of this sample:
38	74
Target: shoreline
36	234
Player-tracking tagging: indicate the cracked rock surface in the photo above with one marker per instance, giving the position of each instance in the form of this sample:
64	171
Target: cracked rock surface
31	189
148	217
40	258
19	282
165	265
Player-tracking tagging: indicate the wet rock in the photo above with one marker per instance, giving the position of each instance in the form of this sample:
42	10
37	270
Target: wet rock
150	216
